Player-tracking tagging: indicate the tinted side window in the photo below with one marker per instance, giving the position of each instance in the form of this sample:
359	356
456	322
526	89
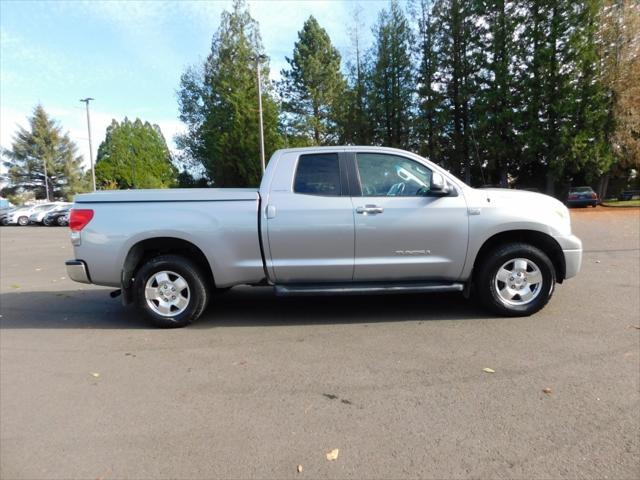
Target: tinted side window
383	175
318	174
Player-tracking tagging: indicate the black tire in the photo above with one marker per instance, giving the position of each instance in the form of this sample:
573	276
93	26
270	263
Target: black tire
61	221
198	293
485	280
23	221
47	222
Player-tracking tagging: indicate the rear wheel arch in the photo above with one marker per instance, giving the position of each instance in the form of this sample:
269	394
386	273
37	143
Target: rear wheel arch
540	240
149	248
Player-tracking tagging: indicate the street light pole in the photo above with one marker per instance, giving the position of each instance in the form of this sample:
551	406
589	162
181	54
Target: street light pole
93	171
260	58
46	181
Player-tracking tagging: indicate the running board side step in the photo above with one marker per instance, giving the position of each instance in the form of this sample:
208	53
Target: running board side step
364	288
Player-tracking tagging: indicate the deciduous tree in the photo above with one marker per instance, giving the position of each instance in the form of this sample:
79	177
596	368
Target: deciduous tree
134	155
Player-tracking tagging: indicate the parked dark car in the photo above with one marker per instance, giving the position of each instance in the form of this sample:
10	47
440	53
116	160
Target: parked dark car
57	217
582	197
628	195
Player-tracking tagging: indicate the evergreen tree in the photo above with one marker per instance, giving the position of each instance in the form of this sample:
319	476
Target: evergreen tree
134	155
589	155
355	124
457	35
548	98
392	85
44	160
429	120
313	86
497	109
218	102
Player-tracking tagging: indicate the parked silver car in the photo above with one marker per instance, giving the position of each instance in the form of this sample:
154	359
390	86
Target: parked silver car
37	217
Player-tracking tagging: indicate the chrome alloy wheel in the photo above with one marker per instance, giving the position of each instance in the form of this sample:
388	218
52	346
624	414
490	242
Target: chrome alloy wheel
167	293
518	282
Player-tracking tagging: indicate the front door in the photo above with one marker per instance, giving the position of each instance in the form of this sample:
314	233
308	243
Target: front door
403	233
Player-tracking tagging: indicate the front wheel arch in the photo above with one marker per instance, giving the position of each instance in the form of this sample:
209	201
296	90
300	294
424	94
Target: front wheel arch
540	240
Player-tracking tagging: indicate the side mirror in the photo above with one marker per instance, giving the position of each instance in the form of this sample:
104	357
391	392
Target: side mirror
438	184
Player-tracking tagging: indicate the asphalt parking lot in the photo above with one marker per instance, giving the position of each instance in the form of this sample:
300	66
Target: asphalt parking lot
261	384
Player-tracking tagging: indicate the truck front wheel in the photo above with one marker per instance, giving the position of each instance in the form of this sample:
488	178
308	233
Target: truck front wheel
171	291
515	280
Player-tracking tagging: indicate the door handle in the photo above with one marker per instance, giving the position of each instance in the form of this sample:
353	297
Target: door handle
369	210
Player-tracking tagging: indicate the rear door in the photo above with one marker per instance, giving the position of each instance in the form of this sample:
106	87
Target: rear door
309	217
402	232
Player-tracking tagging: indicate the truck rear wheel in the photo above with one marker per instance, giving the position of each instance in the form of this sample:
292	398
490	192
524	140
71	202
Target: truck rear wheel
515	280
171	291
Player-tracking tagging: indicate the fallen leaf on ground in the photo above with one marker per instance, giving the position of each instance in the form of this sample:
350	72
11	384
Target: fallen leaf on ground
94	374
488	370
333	454
299	468
15	285
38	269
637	327
546	390
597	261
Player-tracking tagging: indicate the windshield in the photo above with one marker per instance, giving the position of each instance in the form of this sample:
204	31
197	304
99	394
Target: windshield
581	190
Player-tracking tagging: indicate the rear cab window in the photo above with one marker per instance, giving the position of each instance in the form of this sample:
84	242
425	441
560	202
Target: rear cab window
318	174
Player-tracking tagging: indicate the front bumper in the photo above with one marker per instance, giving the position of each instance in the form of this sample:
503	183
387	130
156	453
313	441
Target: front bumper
582	202
78	271
572	250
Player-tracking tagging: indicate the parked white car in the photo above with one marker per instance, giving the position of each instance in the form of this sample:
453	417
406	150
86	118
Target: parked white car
20	216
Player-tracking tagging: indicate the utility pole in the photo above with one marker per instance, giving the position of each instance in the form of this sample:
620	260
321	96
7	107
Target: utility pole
46	181
93	171
260	58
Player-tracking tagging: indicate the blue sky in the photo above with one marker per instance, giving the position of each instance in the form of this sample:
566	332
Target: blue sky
129	55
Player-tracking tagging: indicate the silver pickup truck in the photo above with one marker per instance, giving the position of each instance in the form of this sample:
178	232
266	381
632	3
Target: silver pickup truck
325	221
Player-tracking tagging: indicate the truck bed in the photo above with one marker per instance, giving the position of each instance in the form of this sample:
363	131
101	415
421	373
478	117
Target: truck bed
221	223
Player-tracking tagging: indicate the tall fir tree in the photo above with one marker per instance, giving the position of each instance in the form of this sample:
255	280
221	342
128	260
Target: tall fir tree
313	86
45	160
218	102
457	35
134	155
589	155
393	79
355	122
430	112
497	108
